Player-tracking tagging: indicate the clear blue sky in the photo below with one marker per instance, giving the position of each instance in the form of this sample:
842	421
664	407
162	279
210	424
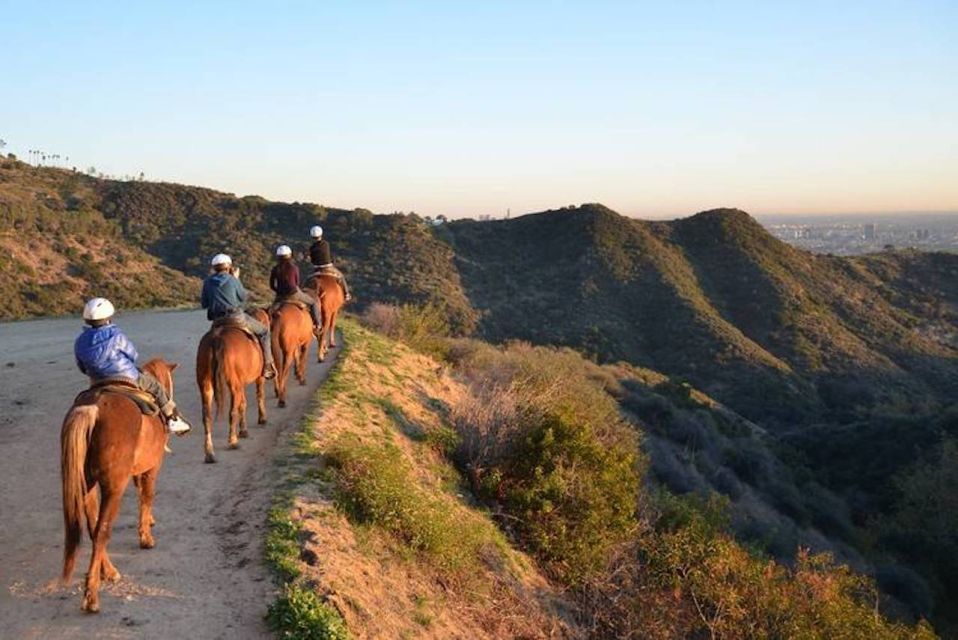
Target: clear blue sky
467	108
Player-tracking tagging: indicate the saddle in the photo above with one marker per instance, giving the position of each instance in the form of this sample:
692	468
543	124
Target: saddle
228	322
120	386
273	308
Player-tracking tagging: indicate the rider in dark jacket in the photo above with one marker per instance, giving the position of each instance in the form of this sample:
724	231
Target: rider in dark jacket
322	259
104	352
284	281
223	297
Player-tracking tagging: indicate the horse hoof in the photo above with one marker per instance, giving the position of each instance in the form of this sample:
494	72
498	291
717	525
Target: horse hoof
261	422
210	458
302	383
147	543
244	433
233	445
281	404
115	576
90	606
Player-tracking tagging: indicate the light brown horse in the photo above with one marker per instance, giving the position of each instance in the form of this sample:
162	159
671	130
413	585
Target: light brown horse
105	441
227	360
331	299
292	333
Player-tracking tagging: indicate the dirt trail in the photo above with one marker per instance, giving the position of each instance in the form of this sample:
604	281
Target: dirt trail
205	578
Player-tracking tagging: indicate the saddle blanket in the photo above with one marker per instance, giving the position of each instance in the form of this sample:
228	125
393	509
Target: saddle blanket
142	399
228	322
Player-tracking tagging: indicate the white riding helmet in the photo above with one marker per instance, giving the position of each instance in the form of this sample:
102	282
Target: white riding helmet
221	258
316	232
98	309
284	250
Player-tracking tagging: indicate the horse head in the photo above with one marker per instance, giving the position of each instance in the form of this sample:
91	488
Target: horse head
162	371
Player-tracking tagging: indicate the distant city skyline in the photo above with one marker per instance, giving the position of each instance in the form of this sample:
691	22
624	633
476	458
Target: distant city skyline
657	111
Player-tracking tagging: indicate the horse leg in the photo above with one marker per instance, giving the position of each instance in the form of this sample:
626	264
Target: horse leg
243	431
206	398
260	401
332	329
99	560
283	376
278	361
321	347
146	486
234	417
301	364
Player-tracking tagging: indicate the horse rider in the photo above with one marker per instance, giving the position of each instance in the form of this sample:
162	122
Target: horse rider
284	281
322	259
103	352
223	297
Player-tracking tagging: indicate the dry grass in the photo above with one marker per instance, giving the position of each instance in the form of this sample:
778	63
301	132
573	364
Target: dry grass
386	533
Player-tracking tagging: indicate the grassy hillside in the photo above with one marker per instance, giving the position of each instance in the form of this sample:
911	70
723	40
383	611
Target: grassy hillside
57	249
465	500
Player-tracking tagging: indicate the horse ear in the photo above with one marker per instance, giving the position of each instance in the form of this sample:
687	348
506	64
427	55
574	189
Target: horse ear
174	365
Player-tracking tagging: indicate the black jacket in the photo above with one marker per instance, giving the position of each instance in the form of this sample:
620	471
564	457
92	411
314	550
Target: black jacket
319	253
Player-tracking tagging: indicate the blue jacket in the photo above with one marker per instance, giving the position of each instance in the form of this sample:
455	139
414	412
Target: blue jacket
223	295
105	352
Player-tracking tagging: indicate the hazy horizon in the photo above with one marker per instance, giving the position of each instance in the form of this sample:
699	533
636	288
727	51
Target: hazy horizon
657	112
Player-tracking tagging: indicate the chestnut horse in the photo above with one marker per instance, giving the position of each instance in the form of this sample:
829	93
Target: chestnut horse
104	444
227	360
331	299
292	333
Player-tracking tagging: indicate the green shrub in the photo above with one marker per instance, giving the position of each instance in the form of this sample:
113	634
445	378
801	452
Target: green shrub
546	440
575	497
282	542
376	486
300	614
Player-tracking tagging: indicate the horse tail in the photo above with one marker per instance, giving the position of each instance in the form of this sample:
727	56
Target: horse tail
220	387
74	441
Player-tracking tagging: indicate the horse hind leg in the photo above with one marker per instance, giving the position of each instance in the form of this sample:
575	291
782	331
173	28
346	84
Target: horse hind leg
243	431
301	364
261	401
235	405
146	486
206	398
99	560
283	377
332	330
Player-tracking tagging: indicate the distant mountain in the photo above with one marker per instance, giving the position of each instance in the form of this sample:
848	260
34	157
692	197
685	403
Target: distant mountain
780	334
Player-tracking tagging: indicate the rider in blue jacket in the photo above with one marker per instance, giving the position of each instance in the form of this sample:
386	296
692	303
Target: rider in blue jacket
223	297
103	352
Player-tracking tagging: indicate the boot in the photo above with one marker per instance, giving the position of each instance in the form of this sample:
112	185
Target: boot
269	369
317	324
176	424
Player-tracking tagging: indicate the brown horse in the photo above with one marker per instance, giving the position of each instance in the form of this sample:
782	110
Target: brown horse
331	299
292	333
104	442
227	360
